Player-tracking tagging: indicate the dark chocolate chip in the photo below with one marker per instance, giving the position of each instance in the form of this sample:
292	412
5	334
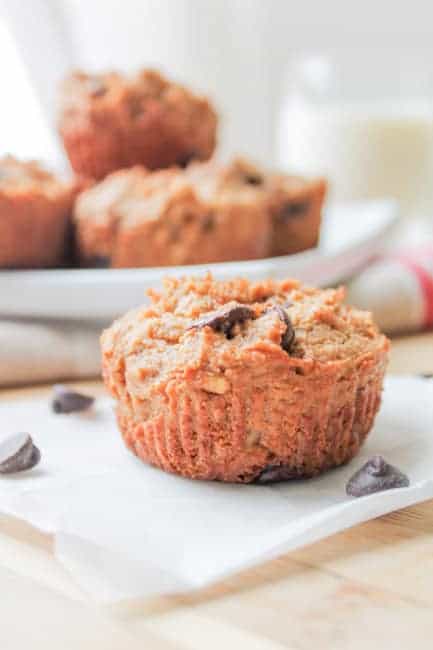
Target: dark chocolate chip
186	159
223	320
68	401
375	476
208	223
96	87
292	211
99	262
425	375
18	453
253	179
288	337
276	474
35	457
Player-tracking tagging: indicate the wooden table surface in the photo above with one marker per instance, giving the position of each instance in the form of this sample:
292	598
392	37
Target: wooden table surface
369	587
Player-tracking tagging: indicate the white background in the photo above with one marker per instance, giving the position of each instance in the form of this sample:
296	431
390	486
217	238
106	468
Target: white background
235	50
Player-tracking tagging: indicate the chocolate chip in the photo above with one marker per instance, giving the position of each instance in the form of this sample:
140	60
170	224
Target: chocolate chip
292	210
68	401
18	453
288	337
186	159
375	476
276	474
425	375
253	179
35	457
96	87
223	320
99	262
208	223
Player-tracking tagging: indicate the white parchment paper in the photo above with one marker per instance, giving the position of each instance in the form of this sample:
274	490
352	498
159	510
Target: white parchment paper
126	530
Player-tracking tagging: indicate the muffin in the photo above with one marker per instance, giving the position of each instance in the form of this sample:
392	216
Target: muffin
204	213
35	211
241	382
110	121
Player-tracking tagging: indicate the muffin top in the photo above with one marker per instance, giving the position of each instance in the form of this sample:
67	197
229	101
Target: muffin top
133	195
200	323
25	177
132	94
243	177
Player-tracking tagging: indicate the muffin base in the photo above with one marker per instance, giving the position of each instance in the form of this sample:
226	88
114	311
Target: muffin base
304	423
34	231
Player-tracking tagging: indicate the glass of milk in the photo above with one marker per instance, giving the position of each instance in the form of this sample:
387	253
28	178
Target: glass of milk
364	119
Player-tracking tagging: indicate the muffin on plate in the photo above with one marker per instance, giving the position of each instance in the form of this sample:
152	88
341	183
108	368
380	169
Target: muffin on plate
35	211
244	382
204	213
110	121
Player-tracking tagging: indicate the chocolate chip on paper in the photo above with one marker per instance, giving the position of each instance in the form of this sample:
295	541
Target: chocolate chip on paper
375	476
68	401
18	453
276	474
99	262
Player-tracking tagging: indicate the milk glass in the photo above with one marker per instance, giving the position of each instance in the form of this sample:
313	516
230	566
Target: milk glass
365	120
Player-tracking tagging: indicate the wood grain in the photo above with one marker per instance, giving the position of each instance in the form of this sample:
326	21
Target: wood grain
370	586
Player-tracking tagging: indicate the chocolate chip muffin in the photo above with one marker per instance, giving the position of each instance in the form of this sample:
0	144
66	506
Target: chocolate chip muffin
244	382
110	121
35	210
204	213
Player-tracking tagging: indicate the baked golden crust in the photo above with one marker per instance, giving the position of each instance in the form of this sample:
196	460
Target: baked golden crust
110	121
35	210
209	400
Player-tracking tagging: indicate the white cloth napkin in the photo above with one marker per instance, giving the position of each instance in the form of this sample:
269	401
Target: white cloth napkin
126	530
36	351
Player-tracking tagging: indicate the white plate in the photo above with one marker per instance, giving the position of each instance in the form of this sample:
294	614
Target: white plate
351	235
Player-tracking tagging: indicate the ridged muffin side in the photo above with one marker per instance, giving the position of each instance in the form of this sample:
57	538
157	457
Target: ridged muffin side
35	212
236	402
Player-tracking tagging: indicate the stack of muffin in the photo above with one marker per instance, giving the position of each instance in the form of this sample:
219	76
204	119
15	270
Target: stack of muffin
145	192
